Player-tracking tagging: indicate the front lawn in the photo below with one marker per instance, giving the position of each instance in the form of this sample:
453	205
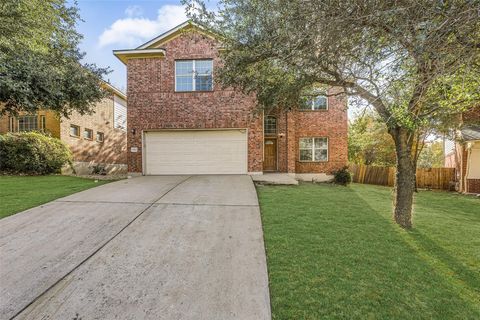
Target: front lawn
18	193
334	253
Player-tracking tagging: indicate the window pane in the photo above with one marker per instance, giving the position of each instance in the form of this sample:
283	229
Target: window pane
270	125
88	134
27	123
184	68
100	136
305	104
305	143
321	155
204	67
320	103
184	84
306	155
203	83
74	131
321	143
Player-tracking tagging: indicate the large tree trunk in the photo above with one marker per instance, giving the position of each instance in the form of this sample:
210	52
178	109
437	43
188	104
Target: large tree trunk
405	179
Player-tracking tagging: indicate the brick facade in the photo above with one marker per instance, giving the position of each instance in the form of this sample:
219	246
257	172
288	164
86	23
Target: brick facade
111	151
473	185
153	104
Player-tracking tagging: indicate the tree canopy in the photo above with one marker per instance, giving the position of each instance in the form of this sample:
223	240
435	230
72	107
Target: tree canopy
415	62
40	61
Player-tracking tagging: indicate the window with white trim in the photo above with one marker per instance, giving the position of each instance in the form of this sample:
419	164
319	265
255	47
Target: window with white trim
43	122
313	149
28	123
314	103
193	75
270	125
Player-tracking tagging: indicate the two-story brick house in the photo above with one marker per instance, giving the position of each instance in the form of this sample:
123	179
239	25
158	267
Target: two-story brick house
181	122
99	138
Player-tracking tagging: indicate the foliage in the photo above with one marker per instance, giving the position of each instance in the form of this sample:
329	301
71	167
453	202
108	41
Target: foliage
432	155
395	56
98	169
40	61
369	142
334	253
20	193
32	153
342	176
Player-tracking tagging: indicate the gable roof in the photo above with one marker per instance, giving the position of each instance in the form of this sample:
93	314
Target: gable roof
114	90
124	55
164	37
151	48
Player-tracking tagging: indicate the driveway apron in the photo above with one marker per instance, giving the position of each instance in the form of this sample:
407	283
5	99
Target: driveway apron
166	247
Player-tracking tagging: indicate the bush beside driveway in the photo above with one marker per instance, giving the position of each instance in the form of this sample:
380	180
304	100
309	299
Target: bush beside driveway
334	253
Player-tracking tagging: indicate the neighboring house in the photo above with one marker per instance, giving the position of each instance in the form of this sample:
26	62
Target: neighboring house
99	138
181	122
464	153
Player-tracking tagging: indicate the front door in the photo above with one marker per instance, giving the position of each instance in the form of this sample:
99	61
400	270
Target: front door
270	154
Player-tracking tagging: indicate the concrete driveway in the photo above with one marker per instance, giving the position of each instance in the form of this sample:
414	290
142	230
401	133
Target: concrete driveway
164	247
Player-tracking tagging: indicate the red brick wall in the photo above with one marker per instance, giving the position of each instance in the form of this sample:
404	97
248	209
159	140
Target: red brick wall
331	123
473	185
472	116
154	104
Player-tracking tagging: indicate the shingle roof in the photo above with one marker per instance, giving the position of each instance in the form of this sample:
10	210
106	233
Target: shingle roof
471	132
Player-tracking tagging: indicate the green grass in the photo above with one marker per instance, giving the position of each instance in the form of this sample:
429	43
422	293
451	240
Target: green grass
334	253
18	193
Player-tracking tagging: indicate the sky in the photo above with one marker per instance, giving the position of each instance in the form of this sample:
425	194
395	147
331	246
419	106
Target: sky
123	24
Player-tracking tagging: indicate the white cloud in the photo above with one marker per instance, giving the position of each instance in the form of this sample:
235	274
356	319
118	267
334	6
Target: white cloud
134	30
134	11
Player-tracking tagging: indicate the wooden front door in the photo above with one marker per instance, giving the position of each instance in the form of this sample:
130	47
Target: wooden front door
270	154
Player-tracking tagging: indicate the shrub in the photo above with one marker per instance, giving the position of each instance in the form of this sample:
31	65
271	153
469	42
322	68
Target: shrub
342	176
32	153
99	169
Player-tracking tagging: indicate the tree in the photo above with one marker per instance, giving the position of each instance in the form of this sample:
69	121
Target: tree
369	142
432	155
40	62
393	55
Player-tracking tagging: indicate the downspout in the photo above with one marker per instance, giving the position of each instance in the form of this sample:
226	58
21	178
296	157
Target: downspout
465	184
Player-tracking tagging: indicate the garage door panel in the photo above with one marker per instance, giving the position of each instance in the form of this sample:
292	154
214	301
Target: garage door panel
196	152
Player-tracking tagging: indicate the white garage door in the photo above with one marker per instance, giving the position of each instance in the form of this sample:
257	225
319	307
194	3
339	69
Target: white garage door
196	152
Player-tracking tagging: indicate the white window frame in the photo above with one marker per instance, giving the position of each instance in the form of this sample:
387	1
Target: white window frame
194	74
312	149
29	125
265	126
43	122
312	103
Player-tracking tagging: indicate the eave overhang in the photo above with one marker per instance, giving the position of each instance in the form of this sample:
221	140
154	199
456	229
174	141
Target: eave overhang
124	55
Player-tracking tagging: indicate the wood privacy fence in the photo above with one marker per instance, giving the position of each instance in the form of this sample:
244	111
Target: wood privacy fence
433	178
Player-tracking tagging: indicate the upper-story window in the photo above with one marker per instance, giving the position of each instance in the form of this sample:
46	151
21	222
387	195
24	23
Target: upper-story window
193	75
315	103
